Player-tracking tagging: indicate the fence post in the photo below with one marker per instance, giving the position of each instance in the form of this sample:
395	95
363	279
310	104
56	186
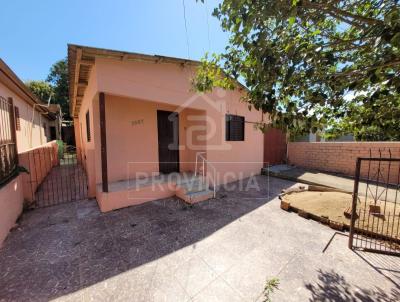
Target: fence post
13	129
354	203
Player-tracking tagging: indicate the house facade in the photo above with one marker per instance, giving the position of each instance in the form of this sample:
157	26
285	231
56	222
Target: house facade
33	121
137	116
25	124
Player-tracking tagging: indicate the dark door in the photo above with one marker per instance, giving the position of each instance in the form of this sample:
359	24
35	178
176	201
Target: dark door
274	147
168	141
53	134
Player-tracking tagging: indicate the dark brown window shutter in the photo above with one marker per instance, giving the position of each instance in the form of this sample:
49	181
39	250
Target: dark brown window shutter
234	127
17	119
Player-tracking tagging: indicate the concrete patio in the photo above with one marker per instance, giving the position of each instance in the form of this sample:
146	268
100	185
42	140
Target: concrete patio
219	250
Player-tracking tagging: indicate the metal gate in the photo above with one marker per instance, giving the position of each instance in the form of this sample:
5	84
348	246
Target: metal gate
375	217
56	176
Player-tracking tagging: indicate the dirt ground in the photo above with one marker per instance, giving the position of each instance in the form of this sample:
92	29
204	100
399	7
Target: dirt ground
383	220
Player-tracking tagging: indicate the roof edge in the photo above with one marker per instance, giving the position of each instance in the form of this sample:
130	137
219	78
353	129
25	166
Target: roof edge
10	74
85	55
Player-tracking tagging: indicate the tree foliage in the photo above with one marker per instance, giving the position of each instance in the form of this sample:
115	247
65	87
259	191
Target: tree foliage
322	64
41	89
55	85
58	77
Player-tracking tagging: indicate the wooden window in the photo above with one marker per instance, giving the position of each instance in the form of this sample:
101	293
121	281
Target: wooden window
234	127
87	126
17	119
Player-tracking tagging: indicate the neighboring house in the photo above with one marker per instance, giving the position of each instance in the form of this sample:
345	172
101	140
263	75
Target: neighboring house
24	124
67	132
136	115
54	127
33	121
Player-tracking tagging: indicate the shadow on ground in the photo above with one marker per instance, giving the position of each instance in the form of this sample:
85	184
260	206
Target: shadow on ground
388	266
332	286
65	248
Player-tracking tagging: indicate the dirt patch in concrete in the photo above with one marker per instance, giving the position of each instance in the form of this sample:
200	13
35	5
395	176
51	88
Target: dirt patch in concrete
336	206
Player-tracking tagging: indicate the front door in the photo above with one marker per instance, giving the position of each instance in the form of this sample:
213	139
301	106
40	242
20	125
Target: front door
168	141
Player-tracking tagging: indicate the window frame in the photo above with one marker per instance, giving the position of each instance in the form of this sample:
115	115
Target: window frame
88	134
231	136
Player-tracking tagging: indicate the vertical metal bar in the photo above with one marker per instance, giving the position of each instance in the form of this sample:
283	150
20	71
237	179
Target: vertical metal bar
366	197
13	130
57	175
44	182
203	168
51	173
195	167
386	193
30	176
375	200
354	203
37	199
215	181
395	201
73	166
103	141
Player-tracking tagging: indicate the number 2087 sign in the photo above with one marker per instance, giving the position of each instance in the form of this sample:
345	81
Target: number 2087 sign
137	122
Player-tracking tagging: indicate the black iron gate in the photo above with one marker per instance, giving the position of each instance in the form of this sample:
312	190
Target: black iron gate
57	176
375	218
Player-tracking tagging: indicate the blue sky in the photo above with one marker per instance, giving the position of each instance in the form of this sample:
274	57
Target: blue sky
35	33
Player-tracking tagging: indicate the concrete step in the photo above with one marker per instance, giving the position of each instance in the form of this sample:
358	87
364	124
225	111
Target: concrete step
191	187
194	197
188	179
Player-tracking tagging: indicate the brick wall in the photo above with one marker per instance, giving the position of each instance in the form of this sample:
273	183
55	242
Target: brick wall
340	157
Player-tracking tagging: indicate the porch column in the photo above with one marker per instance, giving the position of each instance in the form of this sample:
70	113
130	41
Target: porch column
103	141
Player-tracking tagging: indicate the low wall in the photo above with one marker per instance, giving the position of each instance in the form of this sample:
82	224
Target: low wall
38	161
11	203
340	157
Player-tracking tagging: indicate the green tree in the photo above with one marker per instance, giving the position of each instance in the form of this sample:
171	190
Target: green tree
58	78
313	64
43	90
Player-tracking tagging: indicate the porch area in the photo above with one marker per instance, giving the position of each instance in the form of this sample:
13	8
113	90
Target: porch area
151	153
188	186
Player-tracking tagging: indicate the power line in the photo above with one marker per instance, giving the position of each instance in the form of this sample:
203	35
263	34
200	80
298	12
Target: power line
208	26
186	29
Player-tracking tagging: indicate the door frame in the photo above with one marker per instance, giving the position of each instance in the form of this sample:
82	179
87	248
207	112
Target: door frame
177	138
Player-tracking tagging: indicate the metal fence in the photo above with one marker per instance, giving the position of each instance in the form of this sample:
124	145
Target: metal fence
375	218
56	176
8	146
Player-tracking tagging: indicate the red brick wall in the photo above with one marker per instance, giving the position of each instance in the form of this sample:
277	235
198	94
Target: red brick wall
340	157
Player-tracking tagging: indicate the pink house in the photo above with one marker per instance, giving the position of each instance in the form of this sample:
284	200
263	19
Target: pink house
144	134
26	124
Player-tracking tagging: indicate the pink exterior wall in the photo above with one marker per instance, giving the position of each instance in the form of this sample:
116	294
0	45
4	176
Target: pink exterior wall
30	135
170	84
87	148
11	203
339	157
27	137
38	161
135	91
132	148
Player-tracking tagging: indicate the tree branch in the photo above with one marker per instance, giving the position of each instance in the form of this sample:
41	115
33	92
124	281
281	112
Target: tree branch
353	72
340	14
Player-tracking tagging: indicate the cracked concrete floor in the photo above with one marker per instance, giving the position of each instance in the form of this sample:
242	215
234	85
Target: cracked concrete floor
220	250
